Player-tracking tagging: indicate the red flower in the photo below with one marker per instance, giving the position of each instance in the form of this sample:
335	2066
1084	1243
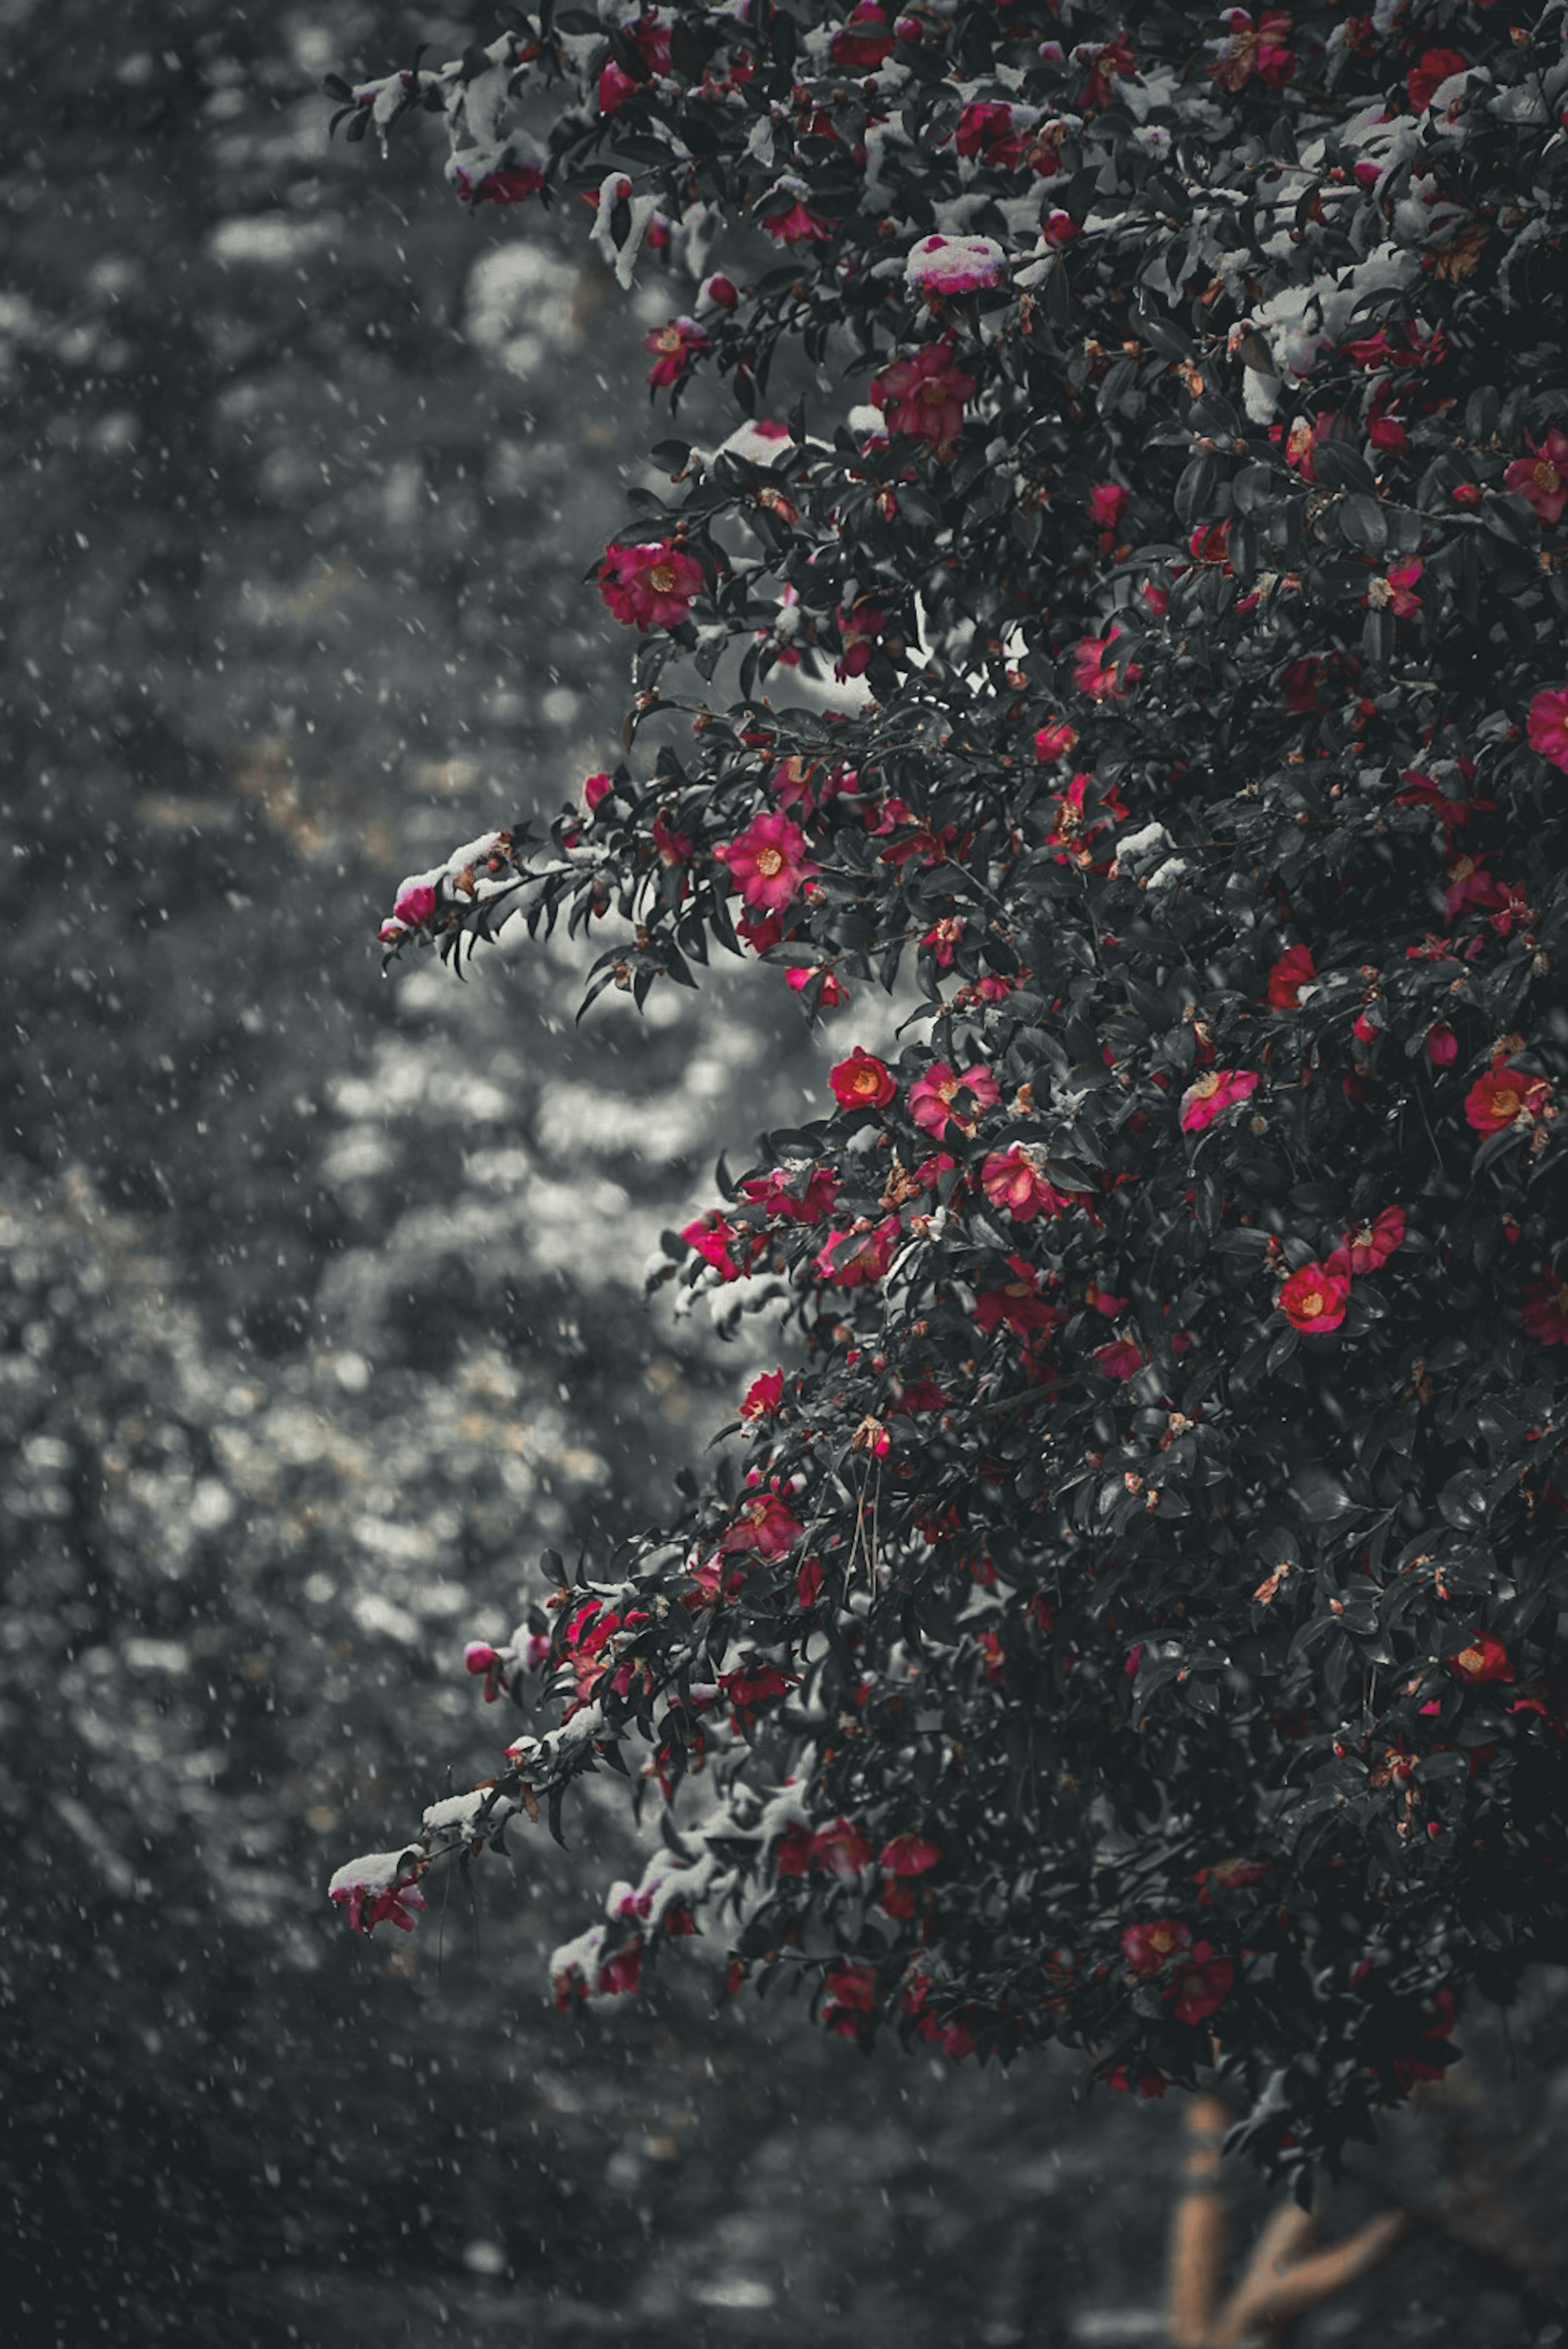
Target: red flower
1019	1304
379	1889
1107	504
833	990
1094	672
1055	740
1434	67
651	41
792	1853
1370	1244
414	902
854	1259
765	1524
1505	1097
865	39
850	1993
596	788
924	396
796	225
1442	1045
750	1687
652	586
1200	1990
839	1849
720	1243
935	1101
764	1396
1314	1298
1216	1091
1548	725
676	348
861	1082
782	1194
1294	970
513	183
1012	1179
1122	1358
1543	477
620	1976
996	133
1149	1948
1483	1657
768	863
1544	1310
909	1855
1257	48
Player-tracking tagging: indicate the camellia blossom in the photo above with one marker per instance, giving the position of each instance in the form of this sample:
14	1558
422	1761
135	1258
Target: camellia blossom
1055	740
1107	504
1012	1179
1259	49
731	1249
1314	1298
832	991
909	1854
839	1849
676	348
1432	69
1293	971
1094	670
1201	1988
1149	1948
865	39
764	1524
849	1994
1548	725
416	900
1212	1093
1121	1358
1503	1097
862	1082
938	1099
793	224
768	863
1019	1304
941	265
1543	478
994	133
379	1887
650	38
854	1259
1483	1657
651	586
763	1397
782	1193
1369	1245
924	396
511	183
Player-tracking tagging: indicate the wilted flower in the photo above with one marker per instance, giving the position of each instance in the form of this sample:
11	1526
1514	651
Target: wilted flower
379	1887
676	347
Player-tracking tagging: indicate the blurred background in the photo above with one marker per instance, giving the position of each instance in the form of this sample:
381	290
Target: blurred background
320	1307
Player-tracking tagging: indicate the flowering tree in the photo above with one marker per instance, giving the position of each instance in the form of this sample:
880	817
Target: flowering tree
1134	1623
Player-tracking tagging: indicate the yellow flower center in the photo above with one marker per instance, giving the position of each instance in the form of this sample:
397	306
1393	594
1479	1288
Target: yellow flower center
1547	477
662	577
1309	1306
1506	1101
769	861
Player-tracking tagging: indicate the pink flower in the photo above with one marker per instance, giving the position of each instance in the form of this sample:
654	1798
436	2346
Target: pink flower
651	41
1252	49
379	1889
1371	1245
1314	1298
941	265
714	1237
676	350
1216	1091
1293	971
763	1397
861	631
944	938
1442	1045
850	1993
783	1193
1055	740
764	1524
861	1082
1122	1358
935	1099
415	902
1058	228
1019	1304
596	789
1094	672
1107	504
833	990
620	1976
1505	1097
513	183
1548	725
924	396
768	863
853	1259
651	586
1543	477
795	225
996	133
1483	1657
1012	1179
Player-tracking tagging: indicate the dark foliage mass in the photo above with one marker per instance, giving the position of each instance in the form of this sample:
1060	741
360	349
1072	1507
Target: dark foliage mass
1136	1621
